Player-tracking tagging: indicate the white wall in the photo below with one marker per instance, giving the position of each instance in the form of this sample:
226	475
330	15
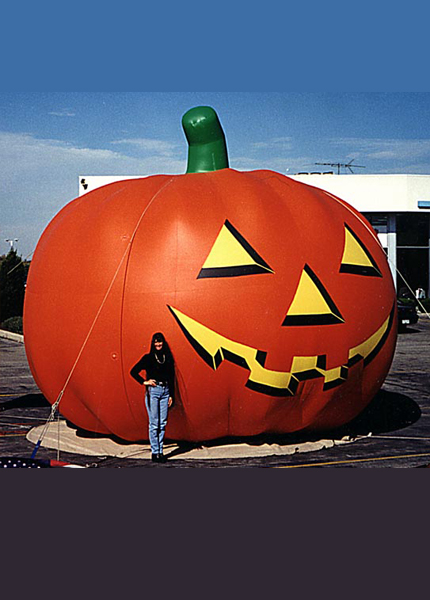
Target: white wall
375	193
88	183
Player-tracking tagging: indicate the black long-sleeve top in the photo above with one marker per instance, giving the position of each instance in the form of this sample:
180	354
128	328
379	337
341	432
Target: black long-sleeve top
160	372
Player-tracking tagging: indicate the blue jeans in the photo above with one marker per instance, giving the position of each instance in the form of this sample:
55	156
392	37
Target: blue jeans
157	405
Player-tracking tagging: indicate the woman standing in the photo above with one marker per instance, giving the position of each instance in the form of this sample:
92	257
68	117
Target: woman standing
160	380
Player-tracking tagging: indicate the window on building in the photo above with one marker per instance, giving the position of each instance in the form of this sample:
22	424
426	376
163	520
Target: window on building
378	222
413	264
412	230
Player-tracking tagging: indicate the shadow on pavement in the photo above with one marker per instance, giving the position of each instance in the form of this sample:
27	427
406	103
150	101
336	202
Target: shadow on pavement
408	331
388	412
28	401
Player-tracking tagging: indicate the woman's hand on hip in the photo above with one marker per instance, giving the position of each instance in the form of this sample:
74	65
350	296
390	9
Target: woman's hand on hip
150	383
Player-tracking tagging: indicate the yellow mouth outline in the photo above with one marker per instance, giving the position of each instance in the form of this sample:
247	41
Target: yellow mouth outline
214	348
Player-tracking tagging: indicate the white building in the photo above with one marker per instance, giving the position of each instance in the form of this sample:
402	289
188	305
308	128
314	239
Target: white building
397	206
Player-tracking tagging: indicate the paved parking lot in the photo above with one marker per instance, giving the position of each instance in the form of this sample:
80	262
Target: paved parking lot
393	432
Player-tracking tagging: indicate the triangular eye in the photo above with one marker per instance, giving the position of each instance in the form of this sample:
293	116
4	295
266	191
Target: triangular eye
232	256
312	304
356	258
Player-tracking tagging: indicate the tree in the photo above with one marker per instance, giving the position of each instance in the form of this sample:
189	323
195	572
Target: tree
12	286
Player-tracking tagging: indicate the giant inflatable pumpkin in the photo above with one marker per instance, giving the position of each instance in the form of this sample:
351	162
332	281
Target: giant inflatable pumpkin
275	297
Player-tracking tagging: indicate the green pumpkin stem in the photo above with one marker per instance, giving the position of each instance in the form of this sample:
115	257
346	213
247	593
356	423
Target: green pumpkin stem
207	146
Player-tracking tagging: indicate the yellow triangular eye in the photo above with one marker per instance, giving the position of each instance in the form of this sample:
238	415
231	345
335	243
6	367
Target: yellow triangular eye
356	258
232	256
312	304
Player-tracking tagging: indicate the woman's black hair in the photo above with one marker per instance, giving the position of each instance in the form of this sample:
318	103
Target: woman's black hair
159	337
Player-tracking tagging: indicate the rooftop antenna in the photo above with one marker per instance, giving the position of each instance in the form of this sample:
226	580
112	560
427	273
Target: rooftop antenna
343	165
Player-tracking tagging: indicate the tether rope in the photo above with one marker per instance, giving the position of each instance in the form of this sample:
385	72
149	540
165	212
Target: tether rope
20	263
69	377
411	290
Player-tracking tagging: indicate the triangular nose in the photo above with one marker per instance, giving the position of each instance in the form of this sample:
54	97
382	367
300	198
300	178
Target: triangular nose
312	304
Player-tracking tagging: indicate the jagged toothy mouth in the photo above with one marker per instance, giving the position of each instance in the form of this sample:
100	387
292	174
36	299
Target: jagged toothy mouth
214	348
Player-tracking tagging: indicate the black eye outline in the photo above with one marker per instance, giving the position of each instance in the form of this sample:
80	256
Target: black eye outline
355	269
259	267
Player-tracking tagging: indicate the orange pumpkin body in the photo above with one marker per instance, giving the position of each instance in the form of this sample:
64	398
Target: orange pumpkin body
139	256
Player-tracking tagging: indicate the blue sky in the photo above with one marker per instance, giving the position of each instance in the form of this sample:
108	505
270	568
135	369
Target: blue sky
48	139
